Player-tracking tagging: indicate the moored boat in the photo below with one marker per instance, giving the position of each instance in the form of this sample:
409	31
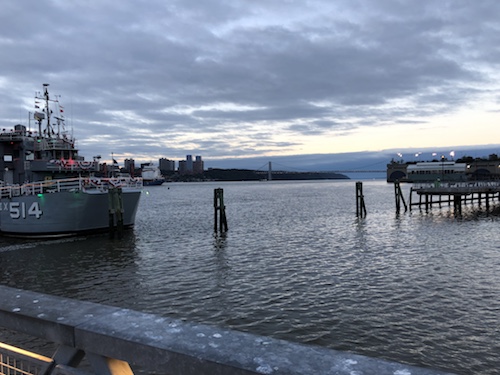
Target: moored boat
50	190
151	175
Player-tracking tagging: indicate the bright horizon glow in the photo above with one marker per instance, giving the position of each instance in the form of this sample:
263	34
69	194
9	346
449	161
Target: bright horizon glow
466	128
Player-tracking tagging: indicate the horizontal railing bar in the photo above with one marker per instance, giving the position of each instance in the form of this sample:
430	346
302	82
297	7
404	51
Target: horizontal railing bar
171	346
70	184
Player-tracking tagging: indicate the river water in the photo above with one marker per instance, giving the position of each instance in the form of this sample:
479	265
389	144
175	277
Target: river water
419	287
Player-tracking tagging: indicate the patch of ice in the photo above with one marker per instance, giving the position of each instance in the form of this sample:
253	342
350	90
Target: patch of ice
264	369
262	342
402	372
153	336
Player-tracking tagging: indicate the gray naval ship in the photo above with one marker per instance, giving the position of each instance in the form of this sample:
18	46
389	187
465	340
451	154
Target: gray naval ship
48	190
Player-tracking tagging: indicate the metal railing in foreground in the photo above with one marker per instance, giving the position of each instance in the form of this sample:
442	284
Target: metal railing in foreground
114	340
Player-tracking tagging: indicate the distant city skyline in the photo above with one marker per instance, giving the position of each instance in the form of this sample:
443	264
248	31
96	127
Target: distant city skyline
186	166
349	161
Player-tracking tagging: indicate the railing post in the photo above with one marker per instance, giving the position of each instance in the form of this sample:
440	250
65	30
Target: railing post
108	366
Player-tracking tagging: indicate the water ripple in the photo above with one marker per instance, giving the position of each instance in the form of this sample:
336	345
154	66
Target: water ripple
421	288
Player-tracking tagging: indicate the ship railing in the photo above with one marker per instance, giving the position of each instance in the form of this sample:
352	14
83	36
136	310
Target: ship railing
54	144
105	184
91	338
70	184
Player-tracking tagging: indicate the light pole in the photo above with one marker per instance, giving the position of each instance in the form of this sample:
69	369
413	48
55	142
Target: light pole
442	167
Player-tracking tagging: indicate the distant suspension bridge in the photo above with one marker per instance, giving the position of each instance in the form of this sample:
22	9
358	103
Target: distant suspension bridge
268	168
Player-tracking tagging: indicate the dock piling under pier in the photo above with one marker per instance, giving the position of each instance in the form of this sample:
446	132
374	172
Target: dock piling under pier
458	193
399	197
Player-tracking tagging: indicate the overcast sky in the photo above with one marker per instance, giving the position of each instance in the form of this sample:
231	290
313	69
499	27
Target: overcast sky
240	79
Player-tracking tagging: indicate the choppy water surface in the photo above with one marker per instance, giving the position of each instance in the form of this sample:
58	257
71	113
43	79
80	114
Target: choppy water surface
421	288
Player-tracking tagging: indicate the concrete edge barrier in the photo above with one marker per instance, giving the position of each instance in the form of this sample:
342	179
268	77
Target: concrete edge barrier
175	347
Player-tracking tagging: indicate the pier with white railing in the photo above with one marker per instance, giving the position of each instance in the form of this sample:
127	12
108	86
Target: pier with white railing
113	340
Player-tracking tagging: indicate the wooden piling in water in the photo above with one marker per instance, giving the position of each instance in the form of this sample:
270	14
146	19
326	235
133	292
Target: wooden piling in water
219	211
360	200
399	197
115	204
457	204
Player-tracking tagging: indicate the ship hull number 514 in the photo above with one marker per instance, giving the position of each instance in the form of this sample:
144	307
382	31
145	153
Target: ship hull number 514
18	210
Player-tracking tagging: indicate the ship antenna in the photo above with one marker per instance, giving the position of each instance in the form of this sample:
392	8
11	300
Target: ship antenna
46	94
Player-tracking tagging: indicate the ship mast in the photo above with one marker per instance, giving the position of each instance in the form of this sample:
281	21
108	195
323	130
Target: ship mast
47	108
52	140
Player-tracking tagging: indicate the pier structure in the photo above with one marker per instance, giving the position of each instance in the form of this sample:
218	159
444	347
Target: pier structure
456	193
112	340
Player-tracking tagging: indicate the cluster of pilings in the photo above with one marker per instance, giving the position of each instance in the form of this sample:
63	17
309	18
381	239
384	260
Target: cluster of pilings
431	194
456	194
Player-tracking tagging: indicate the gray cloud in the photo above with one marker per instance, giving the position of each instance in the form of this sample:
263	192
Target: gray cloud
162	79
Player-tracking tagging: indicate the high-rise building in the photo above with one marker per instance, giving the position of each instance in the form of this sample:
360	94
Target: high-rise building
129	166
189	163
190	166
198	165
182	167
167	166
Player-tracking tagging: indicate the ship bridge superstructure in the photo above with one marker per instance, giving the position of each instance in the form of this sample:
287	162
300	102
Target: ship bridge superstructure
46	153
